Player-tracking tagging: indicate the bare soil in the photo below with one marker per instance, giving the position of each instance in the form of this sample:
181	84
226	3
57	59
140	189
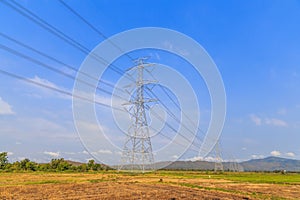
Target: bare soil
110	191
34	186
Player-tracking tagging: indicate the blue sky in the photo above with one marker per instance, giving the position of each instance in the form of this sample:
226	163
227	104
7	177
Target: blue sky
255	44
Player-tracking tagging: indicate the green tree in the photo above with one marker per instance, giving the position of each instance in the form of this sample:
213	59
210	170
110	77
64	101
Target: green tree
23	164
82	168
8	167
91	165
31	166
60	165
3	160
64	165
16	166
98	167
44	167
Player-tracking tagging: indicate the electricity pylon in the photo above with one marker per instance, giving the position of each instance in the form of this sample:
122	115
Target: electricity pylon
218	161
137	152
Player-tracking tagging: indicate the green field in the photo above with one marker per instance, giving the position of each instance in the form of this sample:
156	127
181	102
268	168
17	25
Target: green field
251	177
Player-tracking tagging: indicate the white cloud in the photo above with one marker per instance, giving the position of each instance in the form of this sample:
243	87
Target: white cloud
5	108
199	158
69	153
244	148
88	159
21	158
196	158
85	152
275	153
92	127
103	151
43	82
69	71
10	153
257	120
257	156
52	154
115	101
276	122
282	111
46	128
290	154
48	91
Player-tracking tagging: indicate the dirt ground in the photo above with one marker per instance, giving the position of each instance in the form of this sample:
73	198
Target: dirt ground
110	191
119	186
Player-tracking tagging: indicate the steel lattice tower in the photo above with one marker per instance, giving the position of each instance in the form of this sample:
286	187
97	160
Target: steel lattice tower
218	161
137	152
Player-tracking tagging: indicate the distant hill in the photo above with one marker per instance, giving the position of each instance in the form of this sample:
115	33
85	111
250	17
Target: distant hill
74	163
265	164
271	164
200	165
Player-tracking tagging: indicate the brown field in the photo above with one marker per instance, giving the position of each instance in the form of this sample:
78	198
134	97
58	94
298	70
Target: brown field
160	185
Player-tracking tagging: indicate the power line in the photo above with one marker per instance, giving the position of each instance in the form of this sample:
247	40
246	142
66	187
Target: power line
54	59
72	95
178	107
171	139
56	89
170	112
46	25
174	130
176	104
85	99
184	114
39	63
71	77
171	127
93	27
55	31
42	23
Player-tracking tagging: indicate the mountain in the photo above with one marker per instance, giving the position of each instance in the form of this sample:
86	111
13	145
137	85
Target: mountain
271	164
187	165
265	164
74	163
201	165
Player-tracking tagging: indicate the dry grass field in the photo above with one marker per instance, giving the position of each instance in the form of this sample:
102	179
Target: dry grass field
158	185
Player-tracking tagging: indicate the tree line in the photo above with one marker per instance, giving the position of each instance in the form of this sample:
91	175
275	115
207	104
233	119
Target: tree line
55	165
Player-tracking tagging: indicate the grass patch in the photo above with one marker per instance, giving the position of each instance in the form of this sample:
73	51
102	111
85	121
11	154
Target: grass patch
250	177
274	178
97	180
46	182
